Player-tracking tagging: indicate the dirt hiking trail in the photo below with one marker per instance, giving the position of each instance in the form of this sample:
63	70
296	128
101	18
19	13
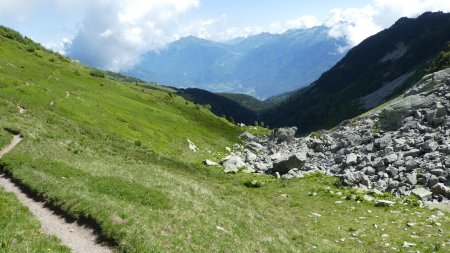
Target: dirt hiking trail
79	239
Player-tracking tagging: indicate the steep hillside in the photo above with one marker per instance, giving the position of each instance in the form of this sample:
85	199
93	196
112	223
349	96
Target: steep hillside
220	105
377	69
263	65
115	153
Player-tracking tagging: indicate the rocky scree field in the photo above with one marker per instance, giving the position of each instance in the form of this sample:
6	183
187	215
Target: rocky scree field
110	151
402	148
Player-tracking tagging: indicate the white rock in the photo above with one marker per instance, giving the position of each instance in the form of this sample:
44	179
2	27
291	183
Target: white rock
210	163
192	146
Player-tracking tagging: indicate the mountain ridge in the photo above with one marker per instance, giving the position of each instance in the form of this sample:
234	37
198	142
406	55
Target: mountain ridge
336	95
253	65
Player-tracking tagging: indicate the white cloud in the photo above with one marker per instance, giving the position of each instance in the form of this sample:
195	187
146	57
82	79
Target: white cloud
60	47
390	11
303	22
114	34
352	24
356	24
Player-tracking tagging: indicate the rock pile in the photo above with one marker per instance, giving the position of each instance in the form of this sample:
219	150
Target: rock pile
403	148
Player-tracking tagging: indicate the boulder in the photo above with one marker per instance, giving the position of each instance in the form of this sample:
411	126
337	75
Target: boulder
413	152
232	163
246	136
355	178
351	159
429	146
391	117
261	166
422	193
381	202
210	163
254	146
436	114
378	162
390	159
250	157
383	142
285	134
283	166
411	178
441	189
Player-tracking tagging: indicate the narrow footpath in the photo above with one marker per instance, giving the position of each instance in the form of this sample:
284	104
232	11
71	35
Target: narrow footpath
79	239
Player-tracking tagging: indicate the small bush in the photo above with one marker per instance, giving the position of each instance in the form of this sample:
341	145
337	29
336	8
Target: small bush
253	184
97	73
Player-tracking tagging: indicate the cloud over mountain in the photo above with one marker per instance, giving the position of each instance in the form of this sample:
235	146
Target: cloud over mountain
114	34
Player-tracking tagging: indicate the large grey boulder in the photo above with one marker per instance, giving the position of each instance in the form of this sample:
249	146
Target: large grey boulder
246	136
232	163
422	193
254	146
441	189
250	157
285	134
413	152
351	159
284	165
436	114
392	116
383	142
355	178
411	178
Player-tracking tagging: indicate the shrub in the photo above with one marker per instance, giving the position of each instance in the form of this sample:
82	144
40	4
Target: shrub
97	73
253	184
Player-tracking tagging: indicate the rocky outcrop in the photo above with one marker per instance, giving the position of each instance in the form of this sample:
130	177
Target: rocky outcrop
285	134
403	148
232	163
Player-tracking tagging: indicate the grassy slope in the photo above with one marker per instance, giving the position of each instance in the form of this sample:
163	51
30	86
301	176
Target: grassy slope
79	153
4	138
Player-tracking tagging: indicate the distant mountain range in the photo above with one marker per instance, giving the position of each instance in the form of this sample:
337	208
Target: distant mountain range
263	65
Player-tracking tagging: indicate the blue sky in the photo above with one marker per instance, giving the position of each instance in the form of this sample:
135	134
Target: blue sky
113	34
